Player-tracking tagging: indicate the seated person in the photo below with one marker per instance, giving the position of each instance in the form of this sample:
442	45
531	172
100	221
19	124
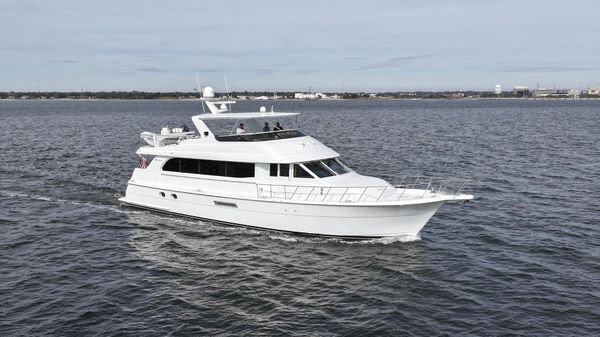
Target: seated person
184	128
240	130
266	128
277	127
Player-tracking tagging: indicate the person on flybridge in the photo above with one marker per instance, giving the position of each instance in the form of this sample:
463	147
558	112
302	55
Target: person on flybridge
240	130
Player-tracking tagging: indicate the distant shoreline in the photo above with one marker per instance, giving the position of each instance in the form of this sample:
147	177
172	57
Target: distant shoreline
310	100
280	96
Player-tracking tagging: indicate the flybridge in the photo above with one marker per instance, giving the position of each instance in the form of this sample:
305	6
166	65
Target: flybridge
220	125
223	125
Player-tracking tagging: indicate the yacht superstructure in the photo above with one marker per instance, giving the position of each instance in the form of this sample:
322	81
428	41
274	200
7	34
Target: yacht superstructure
238	169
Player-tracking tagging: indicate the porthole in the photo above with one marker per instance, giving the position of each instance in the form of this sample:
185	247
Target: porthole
162	194
174	195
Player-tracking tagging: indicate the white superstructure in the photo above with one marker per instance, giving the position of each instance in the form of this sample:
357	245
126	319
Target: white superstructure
279	180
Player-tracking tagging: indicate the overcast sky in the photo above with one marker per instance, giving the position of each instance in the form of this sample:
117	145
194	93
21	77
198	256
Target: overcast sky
283	45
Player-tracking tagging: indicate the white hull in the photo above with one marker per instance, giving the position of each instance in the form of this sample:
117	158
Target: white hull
340	220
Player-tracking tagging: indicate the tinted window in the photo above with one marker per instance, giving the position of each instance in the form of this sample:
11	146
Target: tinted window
213	167
284	170
299	172
210	167
273	170
172	165
318	169
188	165
240	170
335	166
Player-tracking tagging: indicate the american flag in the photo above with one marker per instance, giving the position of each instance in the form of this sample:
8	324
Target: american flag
143	163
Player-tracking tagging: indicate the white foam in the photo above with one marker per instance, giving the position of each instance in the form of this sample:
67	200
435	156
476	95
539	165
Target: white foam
15	194
393	239
285	238
325	240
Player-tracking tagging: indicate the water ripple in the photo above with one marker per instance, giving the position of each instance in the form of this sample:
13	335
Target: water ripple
522	259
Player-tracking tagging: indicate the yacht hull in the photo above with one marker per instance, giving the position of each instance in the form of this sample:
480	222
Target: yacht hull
337	220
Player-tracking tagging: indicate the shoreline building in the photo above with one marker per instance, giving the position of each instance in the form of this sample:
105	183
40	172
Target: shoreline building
521	91
309	96
594	91
555	93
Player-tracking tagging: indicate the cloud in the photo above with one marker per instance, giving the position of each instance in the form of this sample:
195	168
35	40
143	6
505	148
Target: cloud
62	61
266	71
354	58
208	70
306	71
151	70
396	62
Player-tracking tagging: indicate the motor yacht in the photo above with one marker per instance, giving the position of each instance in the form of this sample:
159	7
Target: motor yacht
237	168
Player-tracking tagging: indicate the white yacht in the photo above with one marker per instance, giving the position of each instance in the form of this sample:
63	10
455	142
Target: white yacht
239	169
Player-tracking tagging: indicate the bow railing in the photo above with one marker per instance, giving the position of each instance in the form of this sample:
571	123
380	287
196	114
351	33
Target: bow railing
409	188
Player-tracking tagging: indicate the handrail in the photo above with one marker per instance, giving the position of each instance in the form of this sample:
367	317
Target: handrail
410	188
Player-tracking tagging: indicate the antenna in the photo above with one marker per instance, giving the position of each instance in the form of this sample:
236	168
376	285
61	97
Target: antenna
200	93
227	89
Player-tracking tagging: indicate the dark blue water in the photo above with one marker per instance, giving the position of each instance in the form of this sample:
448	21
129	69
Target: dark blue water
523	259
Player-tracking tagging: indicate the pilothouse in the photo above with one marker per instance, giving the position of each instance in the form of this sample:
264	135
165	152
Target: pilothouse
258	169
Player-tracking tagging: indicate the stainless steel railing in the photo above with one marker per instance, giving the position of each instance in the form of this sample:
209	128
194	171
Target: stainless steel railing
409	188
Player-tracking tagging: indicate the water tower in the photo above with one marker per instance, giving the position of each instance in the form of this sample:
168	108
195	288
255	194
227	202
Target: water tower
498	89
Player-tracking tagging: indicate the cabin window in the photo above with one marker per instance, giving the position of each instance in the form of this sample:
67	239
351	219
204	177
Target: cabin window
188	165
172	165
299	172
210	167
213	168
319	169
284	170
240	170
335	166
273	170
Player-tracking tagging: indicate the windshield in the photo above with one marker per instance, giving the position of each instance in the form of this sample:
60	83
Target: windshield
260	137
325	168
335	165
319	169
254	129
299	172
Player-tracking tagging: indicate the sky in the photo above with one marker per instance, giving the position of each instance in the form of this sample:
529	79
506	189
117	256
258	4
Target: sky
327	46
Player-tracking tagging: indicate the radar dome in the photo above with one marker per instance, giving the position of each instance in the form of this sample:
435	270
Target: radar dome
208	92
